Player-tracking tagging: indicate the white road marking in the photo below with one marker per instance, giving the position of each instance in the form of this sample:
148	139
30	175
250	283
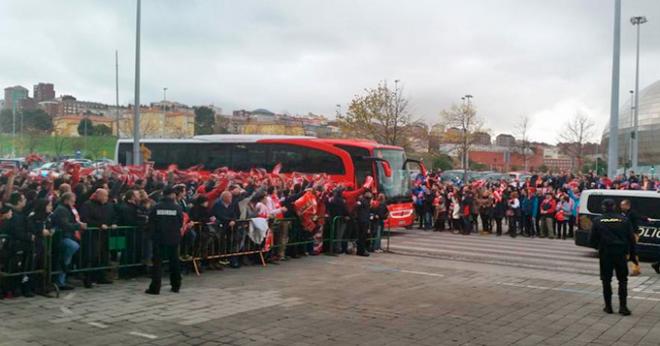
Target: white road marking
144	335
66	310
563	289
98	325
421	273
69	296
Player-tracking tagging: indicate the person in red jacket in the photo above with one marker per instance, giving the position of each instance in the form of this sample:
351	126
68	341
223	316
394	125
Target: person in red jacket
547	211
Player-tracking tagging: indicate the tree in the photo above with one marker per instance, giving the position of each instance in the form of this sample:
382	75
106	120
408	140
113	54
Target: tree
442	162
381	114
102	130
464	118
59	145
85	127
5	120
576	133
522	129
204	120
37	121
543	168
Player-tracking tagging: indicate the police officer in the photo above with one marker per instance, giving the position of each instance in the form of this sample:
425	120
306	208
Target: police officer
166	220
364	218
612	234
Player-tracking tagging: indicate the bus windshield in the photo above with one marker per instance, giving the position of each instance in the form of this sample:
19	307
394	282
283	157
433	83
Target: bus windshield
396	187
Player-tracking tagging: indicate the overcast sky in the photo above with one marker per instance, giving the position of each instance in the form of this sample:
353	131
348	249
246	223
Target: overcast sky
545	59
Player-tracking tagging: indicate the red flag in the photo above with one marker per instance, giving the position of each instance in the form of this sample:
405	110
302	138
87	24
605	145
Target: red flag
368	182
277	168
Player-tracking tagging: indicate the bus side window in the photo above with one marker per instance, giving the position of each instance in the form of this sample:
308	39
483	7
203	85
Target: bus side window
214	155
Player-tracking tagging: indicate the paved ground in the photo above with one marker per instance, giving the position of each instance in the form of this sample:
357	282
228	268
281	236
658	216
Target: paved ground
438	289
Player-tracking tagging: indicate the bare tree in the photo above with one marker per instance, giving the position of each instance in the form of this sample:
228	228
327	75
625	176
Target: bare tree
58	145
464	118
522	131
576	133
381	114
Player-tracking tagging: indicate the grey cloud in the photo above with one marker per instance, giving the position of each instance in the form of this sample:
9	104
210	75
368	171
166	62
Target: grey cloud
546	59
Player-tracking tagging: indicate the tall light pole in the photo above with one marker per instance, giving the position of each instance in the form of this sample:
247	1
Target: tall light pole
631	138
13	122
613	145
136	115
117	91
638	21
466	158
164	94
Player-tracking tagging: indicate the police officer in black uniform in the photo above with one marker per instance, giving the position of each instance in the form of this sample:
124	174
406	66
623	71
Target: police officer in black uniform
166	220
612	234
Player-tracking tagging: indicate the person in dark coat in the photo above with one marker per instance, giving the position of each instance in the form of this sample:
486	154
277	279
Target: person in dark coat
21	244
636	220
337	208
612	234
499	211
296	234
99	213
39	223
363	216
166	220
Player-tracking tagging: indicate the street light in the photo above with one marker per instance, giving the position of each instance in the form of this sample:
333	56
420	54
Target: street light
136	108
164	94
632	127
638	21
13	122
613	145
468	99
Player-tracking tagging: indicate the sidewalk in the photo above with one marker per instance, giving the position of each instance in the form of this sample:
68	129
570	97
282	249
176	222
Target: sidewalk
385	299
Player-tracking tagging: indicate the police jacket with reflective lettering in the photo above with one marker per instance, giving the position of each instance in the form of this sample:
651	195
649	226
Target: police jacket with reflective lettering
612	234
166	220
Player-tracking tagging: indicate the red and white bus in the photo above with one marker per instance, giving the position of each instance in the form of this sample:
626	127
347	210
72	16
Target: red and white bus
345	161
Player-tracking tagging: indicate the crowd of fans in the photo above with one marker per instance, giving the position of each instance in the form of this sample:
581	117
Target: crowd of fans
34	208
74	201
543	205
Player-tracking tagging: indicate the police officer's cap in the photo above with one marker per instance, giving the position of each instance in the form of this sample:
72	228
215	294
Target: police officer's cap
607	205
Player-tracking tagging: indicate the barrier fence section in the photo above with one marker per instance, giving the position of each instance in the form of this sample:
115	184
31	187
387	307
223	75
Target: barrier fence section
106	254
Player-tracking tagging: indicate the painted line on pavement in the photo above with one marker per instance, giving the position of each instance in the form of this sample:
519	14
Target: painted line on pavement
381	268
98	325
422	273
66	310
144	335
571	290
69	296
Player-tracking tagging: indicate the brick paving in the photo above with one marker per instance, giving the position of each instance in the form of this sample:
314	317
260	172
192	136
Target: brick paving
406	298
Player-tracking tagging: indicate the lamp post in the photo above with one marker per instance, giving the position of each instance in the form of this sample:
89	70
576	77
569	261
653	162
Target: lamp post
164	94
468	103
136	115
631	139
613	145
117	91
13	122
638	21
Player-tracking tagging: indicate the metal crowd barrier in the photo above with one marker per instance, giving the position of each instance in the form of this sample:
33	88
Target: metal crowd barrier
215	242
105	253
34	261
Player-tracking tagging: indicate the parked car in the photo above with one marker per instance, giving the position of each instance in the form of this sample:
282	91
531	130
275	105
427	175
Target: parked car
46	168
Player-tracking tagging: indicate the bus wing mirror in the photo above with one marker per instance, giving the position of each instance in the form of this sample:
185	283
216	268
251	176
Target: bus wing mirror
387	168
422	168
